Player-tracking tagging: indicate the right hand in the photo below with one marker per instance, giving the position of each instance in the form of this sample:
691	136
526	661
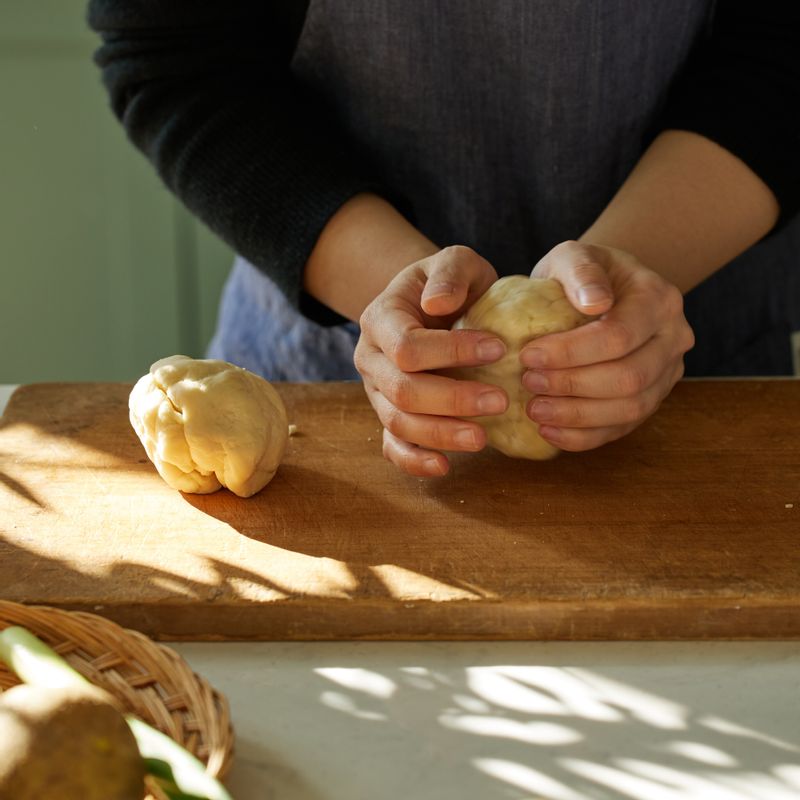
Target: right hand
405	334
598	382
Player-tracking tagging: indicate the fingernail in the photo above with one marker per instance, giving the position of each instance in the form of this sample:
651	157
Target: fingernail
465	437
533	357
535	382
433	466
541	410
490	350
491	403
440	289
593	294
550	433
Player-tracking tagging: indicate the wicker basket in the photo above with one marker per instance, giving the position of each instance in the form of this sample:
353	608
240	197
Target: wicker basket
150	680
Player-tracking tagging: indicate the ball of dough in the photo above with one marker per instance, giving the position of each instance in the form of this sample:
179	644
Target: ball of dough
516	309
207	424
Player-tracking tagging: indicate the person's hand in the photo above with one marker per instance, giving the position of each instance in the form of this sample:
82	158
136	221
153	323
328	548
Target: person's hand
598	382
404	335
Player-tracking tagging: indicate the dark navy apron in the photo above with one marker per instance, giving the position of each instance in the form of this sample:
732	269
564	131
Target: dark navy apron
506	127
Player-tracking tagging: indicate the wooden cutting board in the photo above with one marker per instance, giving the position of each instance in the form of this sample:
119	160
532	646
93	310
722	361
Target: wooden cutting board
687	528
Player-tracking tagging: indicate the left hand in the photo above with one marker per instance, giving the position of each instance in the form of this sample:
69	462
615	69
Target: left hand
598	382
405	337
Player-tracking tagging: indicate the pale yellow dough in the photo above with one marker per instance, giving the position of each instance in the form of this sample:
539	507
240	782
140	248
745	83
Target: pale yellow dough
517	309
207	424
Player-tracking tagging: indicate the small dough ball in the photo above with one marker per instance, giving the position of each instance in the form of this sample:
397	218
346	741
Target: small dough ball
67	743
517	309
207	424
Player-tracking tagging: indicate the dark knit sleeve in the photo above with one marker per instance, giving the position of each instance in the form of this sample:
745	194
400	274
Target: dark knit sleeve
204	90
741	89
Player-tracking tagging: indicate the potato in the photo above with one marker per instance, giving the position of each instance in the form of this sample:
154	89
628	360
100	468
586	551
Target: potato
66	744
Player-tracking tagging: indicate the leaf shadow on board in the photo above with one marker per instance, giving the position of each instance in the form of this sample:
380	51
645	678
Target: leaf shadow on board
19	488
489	526
350	522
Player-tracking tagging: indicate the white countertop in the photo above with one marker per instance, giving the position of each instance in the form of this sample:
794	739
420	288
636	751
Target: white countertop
509	720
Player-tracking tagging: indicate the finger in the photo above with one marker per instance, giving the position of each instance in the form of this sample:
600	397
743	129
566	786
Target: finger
581	271
424	393
428	430
581	439
454	275
634	320
626	377
414	348
412	459
575	412
427	393
578	440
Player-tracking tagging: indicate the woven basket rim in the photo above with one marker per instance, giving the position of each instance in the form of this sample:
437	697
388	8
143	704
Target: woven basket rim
150	679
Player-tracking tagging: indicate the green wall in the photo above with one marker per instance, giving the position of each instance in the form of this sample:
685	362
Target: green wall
101	270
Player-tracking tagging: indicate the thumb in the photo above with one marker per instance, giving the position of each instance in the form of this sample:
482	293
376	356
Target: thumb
581	270
452	275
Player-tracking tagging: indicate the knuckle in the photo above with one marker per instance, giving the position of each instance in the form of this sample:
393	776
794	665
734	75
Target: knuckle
440	436
572	415
584	255
619	337
673	300
462	349
458	348
651	281
631	380
565	384
560	351
359	357
458	252
399	392
403	352
560	383
569	247
635	409
461	399
367	316
688	339
394	421
585	271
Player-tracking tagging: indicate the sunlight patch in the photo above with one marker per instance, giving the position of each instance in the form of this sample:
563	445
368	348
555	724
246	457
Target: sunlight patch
341	702
734	729
501	690
539	733
360	680
531	780
704	753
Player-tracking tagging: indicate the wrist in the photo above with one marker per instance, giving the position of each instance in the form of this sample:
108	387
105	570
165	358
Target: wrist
362	247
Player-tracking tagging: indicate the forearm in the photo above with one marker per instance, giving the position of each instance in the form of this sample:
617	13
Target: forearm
687	209
206	92
363	246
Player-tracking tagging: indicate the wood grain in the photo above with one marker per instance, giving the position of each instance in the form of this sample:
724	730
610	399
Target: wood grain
687	528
